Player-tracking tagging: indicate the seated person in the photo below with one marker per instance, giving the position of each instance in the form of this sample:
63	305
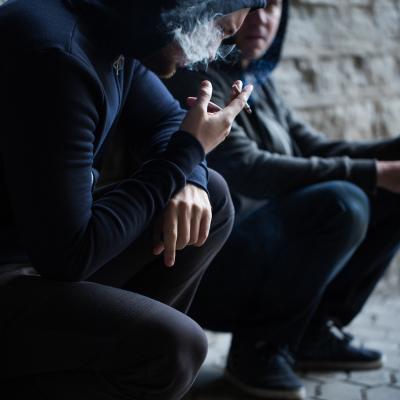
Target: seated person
88	310
318	223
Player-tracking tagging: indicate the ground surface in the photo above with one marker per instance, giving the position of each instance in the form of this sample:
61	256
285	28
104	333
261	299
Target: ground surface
377	326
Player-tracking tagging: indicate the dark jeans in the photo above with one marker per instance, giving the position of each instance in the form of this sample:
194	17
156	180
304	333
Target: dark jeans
121	335
317	253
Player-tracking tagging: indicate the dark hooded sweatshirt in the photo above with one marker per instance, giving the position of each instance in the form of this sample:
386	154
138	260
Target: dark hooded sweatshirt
272	152
64	87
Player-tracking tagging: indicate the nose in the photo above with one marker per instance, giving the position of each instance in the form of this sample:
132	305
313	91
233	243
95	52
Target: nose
262	16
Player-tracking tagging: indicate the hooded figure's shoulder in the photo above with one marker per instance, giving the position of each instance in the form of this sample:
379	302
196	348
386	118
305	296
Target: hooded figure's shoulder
27	26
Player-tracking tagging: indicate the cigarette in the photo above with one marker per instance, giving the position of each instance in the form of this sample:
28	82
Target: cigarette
237	91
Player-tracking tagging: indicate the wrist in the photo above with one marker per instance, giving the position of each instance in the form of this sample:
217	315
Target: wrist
381	168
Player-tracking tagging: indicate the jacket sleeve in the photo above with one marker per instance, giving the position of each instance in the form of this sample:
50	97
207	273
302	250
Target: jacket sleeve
52	114
260	174
151	110
312	142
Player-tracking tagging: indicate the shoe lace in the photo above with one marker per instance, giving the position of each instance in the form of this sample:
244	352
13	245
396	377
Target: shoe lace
339	334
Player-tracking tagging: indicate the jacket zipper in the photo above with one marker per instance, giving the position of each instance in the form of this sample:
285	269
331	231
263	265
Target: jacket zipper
118	66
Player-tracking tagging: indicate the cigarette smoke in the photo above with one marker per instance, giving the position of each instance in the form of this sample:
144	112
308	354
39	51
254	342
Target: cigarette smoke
196	32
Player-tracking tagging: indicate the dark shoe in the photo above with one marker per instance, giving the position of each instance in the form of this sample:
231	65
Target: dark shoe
263	371
330	348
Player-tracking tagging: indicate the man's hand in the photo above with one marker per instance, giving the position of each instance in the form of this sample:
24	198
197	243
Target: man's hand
186	221
208	123
389	175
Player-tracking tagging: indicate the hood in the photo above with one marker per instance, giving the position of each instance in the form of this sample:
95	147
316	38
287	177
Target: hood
262	68
139	28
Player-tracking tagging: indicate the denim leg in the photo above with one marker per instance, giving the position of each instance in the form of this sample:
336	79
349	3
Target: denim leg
271	275
349	291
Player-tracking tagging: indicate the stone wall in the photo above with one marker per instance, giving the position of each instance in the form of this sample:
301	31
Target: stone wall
341	66
341	69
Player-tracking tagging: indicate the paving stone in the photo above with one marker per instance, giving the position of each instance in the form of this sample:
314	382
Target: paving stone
383	393
392	361
371	378
395	377
312	387
370	333
328	376
387	321
211	385
386	347
341	391
219	346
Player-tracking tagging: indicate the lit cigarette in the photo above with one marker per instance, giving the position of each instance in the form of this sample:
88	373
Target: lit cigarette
237	91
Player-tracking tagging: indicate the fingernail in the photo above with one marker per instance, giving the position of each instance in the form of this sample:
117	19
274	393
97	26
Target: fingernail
249	88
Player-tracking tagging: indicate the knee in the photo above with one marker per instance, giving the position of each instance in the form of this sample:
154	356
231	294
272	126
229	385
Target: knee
186	346
351	209
221	201
159	357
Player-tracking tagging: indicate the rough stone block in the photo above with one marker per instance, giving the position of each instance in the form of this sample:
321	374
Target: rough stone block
371	378
383	393
342	391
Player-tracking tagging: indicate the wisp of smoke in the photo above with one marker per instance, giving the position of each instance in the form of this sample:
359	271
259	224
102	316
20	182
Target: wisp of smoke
201	43
196	32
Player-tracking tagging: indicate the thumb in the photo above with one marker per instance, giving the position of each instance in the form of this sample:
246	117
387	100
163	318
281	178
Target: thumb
204	97
238	103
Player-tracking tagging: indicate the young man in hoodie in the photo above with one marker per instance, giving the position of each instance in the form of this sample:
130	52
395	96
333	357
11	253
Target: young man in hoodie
88	307
318	222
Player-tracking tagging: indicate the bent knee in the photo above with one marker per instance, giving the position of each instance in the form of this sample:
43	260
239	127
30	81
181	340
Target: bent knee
220	197
187	346
351	206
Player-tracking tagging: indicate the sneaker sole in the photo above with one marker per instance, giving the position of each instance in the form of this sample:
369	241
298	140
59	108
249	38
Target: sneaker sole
346	366
271	394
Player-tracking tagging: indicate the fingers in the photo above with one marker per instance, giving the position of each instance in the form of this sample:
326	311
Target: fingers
158	246
204	96
237	88
212	107
238	103
204	229
195	225
170	229
183	226
185	222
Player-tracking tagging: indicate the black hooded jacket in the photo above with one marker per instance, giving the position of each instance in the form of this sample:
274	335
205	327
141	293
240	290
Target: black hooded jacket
64	87
272	152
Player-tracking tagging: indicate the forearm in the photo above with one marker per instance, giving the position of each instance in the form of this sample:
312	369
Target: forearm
311	143
388	175
261	175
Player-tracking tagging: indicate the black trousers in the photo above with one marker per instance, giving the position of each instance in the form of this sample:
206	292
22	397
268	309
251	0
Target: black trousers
121	335
315	254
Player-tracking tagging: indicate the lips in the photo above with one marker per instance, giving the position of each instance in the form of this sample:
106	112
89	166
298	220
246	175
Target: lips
256	35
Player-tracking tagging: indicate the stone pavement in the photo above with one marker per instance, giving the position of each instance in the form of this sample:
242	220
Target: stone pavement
377	326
